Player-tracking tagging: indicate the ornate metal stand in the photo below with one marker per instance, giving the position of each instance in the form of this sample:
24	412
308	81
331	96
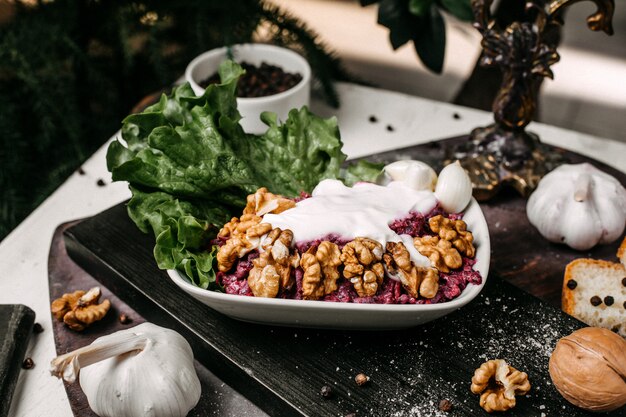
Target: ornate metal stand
504	152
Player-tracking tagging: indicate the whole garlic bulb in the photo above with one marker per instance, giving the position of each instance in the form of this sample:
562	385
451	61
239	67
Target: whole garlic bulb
588	368
146	370
415	174
578	205
454	188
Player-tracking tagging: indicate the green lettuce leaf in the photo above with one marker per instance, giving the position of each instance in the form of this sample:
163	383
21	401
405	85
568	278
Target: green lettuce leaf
190	166
363	171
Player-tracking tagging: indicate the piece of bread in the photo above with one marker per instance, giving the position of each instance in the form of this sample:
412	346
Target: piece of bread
594	291
621	253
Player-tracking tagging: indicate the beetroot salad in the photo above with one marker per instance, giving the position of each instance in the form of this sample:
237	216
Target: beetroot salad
255	259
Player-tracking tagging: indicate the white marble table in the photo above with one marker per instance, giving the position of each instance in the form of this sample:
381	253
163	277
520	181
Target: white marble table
24	253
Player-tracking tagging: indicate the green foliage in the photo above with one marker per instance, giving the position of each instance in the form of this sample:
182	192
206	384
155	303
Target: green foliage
421	22
70	70
191	167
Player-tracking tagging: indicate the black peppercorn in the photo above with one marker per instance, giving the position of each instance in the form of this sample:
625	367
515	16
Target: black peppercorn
326	391
595	301
624	281
28	363
445	405
390	128
608	300
373	119
260	81
37	328
571	284
624	304
100	183
456	116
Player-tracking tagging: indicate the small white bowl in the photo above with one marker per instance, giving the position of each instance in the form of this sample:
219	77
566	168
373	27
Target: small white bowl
207	64
331	315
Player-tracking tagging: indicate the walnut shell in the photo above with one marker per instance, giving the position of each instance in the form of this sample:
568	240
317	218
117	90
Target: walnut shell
588	368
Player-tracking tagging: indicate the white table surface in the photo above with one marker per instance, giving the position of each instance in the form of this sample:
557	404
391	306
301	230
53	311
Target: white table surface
24	253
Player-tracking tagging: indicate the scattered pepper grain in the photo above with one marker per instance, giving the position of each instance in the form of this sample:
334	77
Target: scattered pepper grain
595	301
37	328
326	391
361	379
445	405
124	319
28	363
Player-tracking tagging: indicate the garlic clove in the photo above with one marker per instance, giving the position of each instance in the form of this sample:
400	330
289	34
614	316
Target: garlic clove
146	370
415	174
454	188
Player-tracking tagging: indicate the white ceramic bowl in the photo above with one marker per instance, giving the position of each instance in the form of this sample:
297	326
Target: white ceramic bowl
331	315
207	64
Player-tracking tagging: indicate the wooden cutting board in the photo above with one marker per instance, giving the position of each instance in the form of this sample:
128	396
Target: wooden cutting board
282	370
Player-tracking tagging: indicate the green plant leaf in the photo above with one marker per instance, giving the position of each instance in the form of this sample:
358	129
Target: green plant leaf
363	171
461	9
394	14
431	43
420	7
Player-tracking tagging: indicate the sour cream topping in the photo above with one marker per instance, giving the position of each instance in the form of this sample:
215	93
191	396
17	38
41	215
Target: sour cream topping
364	210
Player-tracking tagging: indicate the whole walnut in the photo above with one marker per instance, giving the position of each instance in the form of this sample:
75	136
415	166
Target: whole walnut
588	368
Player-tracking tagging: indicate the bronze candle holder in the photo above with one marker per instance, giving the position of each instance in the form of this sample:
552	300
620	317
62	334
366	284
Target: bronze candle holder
504	153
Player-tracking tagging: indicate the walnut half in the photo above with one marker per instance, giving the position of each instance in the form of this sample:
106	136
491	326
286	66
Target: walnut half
271	271
440	252
80	309
363	268
498	383
454	231
417	281
320	266
263	202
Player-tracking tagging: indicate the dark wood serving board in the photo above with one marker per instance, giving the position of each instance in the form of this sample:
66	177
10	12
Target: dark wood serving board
281	370
218	399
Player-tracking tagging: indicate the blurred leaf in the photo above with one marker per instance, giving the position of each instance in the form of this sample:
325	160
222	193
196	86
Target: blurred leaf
419	7
430	44
421	22
461	9
394	15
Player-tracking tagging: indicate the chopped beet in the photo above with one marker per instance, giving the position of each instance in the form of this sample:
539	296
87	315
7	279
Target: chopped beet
414	225
337	240
236	280
303	196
